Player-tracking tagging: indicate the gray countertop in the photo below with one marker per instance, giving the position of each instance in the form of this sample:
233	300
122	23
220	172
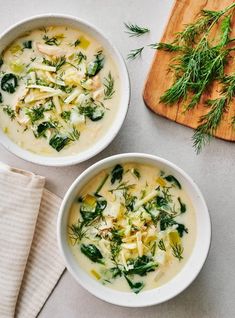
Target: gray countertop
212	294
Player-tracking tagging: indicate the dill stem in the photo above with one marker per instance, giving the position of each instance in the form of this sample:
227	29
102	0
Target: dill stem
101	184
214	22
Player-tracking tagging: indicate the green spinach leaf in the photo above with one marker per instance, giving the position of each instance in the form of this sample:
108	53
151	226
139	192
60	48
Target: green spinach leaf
117	174
173	180
92	252
95	66
58	142
27	44
9	83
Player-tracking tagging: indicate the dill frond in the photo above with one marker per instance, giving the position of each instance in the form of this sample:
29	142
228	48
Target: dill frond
177	251
109	87
135	30
210	122
135	53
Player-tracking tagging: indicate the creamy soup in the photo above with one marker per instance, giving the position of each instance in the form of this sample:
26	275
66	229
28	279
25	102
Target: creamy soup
59	91
132	227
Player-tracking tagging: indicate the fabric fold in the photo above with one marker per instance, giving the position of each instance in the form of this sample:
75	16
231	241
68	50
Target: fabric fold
30	264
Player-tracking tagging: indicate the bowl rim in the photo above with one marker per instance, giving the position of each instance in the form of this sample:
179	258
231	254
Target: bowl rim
98	166
120	116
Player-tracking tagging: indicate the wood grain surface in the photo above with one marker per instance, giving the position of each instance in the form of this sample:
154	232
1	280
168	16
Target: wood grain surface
160	79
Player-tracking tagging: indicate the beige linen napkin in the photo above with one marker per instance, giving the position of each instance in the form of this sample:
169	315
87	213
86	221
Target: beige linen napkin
30	264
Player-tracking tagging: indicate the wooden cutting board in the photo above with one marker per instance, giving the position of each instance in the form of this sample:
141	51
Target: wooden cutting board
159	78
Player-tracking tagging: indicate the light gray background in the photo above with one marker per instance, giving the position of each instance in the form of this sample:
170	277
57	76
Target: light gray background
213	293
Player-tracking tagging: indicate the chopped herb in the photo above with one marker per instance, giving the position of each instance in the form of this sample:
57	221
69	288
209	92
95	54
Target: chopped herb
136	173
1	99
74	134
173	180
80	57
65	115
177	251
27	44
135	30
40	81
115	245
109	87
49	105
123	186
130	201
9	83
35	113
117	174
53	40
57	63
77	42
58	141
92	252
67	89
161	245
9	111
77	231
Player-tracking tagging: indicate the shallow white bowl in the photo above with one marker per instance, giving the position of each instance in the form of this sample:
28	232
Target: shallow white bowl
190	270
59	19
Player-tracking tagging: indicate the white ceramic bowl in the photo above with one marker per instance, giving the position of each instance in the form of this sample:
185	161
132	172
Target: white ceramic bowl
176	285
59	19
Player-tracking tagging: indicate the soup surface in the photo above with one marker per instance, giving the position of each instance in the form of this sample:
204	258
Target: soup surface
59	91
132	227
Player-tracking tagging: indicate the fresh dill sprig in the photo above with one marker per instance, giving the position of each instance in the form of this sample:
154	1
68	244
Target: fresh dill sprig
55	40
161	245
76	231
57	63
169	47
210	122
135	30
194	71
109	86
123	186
135	53
192	31
177	251
74	134
80	57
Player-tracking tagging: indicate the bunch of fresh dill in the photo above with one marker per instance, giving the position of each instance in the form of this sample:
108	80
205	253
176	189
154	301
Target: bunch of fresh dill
198	61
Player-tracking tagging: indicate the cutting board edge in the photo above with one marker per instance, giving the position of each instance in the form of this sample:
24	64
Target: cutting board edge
181	123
